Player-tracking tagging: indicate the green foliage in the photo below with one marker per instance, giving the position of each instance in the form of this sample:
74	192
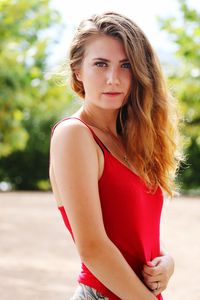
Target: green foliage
184	30
194	161
22	63
29	102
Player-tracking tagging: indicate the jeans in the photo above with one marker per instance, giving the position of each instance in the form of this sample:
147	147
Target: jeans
84	292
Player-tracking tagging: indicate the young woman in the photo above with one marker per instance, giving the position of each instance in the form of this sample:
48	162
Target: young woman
113	159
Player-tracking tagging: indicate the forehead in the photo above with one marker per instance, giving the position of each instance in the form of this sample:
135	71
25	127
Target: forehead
103	46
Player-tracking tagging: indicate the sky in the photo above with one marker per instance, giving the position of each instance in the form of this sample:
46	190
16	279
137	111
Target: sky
143	12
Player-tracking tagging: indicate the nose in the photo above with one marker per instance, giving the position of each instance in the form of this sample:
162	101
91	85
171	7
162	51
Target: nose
113	77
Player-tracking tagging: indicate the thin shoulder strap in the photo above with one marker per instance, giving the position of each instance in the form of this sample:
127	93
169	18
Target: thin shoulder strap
99	142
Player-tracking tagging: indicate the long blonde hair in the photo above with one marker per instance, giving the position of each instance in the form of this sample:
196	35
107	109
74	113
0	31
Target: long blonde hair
147	121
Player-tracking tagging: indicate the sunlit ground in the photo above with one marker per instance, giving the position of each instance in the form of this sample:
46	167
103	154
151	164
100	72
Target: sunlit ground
38	260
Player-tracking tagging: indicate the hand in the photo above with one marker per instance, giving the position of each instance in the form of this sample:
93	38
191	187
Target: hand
157	273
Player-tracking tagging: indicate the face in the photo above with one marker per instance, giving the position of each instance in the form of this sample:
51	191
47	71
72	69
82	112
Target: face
105	73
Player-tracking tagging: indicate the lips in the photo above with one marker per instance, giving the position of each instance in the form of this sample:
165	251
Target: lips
112	93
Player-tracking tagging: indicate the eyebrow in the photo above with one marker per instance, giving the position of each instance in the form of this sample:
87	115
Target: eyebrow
107	60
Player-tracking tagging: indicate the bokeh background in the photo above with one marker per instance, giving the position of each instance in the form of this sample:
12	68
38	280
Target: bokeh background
34	39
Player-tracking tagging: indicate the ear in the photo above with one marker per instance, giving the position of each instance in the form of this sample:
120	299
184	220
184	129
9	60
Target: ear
78	75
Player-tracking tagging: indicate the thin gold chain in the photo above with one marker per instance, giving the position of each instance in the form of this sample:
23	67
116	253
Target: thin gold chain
124	155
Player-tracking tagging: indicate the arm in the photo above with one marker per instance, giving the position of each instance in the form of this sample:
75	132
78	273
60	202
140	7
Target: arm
160	269
75	164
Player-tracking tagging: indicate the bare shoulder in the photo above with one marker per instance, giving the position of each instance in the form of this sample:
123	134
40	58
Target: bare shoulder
73	140
71	128
72	133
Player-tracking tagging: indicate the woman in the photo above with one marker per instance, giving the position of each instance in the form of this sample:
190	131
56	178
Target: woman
113	159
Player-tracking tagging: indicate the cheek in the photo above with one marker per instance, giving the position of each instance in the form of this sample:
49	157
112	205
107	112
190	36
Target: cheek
96	79
91	75
128	86
125	73
128	80
91	83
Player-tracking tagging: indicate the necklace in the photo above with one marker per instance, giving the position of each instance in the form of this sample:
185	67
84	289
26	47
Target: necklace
124	155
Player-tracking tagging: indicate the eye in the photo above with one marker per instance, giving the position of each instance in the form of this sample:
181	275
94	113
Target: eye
100	64
126	65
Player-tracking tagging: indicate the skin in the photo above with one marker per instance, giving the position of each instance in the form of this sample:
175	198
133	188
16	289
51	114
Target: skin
110	73
84	166
159	269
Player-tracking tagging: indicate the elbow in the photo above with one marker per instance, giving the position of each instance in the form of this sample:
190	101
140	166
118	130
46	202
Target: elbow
89	250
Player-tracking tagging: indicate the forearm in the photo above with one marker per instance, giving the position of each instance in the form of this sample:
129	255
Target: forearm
110	267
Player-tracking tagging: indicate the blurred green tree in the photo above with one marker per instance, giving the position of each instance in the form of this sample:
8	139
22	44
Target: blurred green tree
29	102
184	30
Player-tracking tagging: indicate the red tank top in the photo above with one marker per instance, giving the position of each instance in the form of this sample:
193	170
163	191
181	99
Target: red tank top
131	216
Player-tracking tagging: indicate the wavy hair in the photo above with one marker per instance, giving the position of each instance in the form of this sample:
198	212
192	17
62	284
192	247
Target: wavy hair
148	121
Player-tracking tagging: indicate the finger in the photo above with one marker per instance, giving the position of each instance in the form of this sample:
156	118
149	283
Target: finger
156	261
152	271
150	279
150	264
160	288
158	291
153	286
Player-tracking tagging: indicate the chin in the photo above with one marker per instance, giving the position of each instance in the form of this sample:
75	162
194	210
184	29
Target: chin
113	105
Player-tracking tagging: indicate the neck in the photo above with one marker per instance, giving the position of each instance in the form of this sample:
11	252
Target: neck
99	118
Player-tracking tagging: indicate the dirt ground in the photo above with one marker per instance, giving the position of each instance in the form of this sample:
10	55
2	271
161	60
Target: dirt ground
38	259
